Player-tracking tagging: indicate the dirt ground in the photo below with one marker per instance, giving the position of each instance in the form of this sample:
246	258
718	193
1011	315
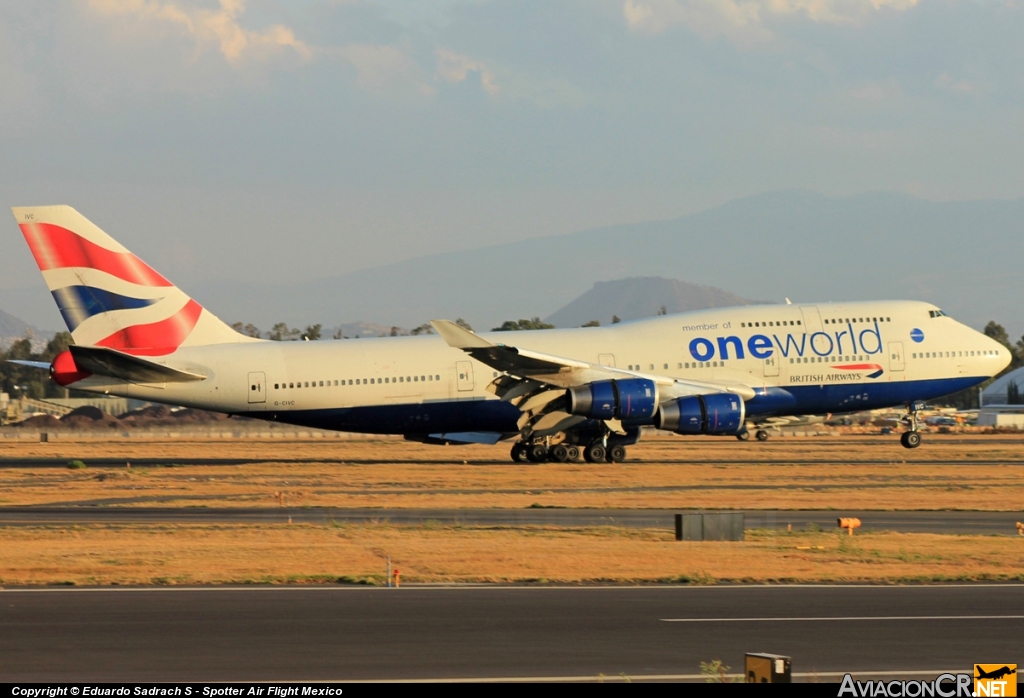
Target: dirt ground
300	553
947	472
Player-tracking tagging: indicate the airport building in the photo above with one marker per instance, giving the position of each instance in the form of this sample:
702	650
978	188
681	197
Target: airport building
1005	390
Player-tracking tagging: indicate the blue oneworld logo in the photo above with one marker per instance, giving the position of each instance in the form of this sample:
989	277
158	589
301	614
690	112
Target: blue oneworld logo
848	341
917	335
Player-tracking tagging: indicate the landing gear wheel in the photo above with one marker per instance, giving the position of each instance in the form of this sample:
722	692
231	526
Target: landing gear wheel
743	435
761	435
616	454
519	452
910	439
574	453
559	453
594	453
536	453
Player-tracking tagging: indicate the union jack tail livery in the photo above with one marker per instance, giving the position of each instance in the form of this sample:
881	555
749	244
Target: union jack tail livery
108	296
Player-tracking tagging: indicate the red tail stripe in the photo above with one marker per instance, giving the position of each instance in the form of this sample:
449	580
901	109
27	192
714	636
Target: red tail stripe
158	338
59	248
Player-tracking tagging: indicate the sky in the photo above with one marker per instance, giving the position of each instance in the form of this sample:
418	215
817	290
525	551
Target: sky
273	141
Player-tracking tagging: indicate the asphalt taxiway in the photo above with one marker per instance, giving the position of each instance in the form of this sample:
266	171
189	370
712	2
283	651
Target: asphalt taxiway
957	522
337	633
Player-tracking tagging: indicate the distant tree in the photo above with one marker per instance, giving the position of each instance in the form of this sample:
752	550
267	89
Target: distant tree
662	311
282	333
533	324
339	334
592	323
615	320
60	342
248	329
1013	396
312	332
463	324
997	332
396	331
425	328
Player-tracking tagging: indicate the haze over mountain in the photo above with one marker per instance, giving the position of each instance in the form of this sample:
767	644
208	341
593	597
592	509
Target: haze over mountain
12	329
639	297
796	244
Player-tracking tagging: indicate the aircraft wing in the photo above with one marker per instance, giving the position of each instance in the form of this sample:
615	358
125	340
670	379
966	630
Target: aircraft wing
536	382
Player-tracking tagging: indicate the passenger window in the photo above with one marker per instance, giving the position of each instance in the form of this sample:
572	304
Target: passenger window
437	377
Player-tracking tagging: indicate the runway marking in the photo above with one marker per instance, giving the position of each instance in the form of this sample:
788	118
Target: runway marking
834	618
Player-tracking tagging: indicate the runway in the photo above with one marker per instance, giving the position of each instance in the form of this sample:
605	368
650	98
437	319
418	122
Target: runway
962	522
337	633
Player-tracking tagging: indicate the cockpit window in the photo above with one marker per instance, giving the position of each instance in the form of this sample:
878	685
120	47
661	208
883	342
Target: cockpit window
937	313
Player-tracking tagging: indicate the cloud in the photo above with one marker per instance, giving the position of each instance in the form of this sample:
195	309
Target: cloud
455	67
714	17
218	28
381	67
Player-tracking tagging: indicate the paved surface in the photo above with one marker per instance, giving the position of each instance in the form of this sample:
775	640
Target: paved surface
352	633
967	522
769	459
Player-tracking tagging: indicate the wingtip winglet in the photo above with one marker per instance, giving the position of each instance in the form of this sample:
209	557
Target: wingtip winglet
458	337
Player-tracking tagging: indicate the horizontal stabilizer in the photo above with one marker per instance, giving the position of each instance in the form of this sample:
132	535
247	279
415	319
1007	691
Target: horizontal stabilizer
101	361
45	365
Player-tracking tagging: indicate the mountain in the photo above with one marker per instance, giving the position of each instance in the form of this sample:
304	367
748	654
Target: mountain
639	297
963	256
13	329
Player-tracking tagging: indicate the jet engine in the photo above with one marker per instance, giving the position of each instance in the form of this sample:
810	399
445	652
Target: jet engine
716	413
630	398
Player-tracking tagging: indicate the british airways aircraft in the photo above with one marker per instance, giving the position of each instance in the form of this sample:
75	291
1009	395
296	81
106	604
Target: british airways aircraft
559	394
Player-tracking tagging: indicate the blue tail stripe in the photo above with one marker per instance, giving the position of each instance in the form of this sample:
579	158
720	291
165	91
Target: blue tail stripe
79	303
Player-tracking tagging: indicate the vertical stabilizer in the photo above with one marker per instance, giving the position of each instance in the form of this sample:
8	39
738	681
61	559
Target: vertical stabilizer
108	296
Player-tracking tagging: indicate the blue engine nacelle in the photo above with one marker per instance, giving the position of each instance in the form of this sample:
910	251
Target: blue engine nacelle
631	398
717	413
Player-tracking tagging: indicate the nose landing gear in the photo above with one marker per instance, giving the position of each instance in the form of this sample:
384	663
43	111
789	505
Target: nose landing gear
912	438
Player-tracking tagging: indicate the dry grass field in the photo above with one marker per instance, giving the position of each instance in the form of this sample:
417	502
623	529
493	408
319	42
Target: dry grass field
947	472
791	473
301	553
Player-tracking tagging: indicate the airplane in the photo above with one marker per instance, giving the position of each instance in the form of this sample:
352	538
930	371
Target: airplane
557	394
995	673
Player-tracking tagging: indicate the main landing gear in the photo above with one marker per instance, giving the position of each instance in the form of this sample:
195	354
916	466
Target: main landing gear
911	438
760	435
594	452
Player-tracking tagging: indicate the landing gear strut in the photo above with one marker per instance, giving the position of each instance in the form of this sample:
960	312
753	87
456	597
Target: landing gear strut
911	438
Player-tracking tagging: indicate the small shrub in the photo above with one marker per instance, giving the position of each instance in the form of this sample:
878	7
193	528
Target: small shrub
76	465
715	671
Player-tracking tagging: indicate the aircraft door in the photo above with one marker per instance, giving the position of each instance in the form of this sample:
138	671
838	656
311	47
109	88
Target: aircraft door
896	358
606	360
257	388
812	320
465	372
771	366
